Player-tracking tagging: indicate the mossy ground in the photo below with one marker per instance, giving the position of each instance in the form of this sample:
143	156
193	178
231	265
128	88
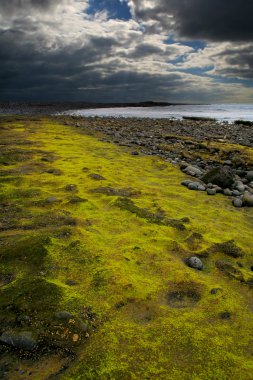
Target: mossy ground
120	269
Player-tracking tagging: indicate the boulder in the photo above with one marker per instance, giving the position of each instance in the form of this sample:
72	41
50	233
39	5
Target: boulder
247	199
249	176
222	177
23	340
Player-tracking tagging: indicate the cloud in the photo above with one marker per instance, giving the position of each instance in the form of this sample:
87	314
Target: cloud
57	50
213	20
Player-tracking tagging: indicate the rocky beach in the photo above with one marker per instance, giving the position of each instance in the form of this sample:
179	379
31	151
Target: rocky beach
217	154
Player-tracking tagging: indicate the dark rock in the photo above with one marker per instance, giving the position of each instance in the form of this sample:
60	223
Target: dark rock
186	182
222	176
195	262
64	315
51	200
77	200
22	341
225	315
135	153
56	172
215	290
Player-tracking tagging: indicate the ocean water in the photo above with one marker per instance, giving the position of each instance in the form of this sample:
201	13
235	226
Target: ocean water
220	112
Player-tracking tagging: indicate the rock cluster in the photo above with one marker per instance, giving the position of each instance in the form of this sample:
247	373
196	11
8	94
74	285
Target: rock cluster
222	180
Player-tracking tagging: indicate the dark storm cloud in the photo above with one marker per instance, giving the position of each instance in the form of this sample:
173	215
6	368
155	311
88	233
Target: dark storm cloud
214	20
55	50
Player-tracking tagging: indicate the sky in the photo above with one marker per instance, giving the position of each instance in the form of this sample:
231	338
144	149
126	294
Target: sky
181	51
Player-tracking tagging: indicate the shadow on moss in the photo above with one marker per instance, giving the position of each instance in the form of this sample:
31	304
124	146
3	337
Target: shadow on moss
157	218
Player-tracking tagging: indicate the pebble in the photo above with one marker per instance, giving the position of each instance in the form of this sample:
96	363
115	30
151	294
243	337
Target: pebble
195	262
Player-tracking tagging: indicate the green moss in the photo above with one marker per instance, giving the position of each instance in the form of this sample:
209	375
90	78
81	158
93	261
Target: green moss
29	250
118	266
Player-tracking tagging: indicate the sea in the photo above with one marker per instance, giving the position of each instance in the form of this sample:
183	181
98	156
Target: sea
221	112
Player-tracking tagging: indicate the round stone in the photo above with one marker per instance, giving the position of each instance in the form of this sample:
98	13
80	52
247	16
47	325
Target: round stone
193	186
236	193
237	202
227	192
186	182
195	262
211	191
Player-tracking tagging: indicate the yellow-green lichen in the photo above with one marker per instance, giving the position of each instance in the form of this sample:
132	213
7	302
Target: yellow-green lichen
116	261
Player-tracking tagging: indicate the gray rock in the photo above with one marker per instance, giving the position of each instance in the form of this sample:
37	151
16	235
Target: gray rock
228	163
211	191
237	202
218	189
240	187
64	315
236	193
23	340
227	192
193	186
249	176
247	199
186	182
196	186
195	262
222	176
193	171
